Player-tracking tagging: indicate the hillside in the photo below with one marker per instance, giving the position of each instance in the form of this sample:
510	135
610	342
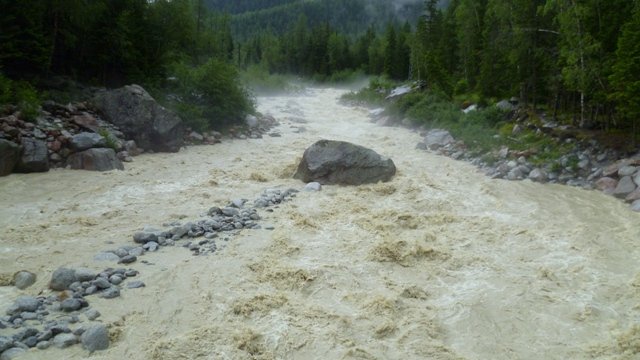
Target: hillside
250	17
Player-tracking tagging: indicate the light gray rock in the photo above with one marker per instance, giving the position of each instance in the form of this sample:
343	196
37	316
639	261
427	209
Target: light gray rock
313	186
635	206
106	256
101	283
12	353
24	279
62	278
136	251
229	211
438	138
5	343
85	274
64	340
43	345
87	140
627	170
135	284
625	187
110	293
95	159
142	237
95	337
25	303
505	105
128	259
339	162
92	314
71	304
115	279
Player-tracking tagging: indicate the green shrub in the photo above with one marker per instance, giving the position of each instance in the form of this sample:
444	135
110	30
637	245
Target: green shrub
209	96
21	94
27	99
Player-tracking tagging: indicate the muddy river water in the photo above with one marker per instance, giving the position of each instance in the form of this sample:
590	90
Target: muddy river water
440	263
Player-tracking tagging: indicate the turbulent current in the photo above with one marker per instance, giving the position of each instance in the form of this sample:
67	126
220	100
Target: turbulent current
440	263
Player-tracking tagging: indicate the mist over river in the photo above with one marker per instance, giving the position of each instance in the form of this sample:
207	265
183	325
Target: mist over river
440	263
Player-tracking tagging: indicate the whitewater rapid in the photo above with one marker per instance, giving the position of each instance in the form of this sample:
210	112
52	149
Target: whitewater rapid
440	263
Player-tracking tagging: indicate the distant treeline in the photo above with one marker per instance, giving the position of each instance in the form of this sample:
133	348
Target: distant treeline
579	59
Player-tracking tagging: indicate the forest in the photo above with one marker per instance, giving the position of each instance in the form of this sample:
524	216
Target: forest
578	60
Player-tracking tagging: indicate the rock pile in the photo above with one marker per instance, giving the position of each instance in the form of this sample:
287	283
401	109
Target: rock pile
59	133
63	318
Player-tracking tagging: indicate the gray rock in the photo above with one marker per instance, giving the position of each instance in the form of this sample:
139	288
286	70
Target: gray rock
627	171
95	337
313	186
338	162
151	246
251	121
84	274
136	251
101	283
144	237
71	304
24	303
43	345
106	256
128	259
635	206
229	211
438	138
64	340
121	252
92	314
35	156
5	343
9	156
26	315
110	293
115	279
24	279
515	174
90	290
45	335
95	159
62	278
505	105
87	140
135	284
141	118
625	187
12	353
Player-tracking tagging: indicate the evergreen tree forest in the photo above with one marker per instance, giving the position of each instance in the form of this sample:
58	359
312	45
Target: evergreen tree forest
577	59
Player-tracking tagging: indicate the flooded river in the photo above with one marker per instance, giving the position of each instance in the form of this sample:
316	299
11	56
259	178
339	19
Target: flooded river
440	263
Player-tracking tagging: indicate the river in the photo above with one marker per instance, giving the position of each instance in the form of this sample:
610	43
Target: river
440	263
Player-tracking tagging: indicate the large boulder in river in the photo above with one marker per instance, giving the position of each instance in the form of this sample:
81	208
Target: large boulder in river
141	118
35	156
339	162
96	159
9	156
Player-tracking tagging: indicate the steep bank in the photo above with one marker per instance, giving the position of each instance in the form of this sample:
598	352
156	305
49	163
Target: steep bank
441	262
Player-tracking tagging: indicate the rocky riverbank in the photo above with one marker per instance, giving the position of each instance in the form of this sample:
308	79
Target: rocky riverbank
101	134
588	164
